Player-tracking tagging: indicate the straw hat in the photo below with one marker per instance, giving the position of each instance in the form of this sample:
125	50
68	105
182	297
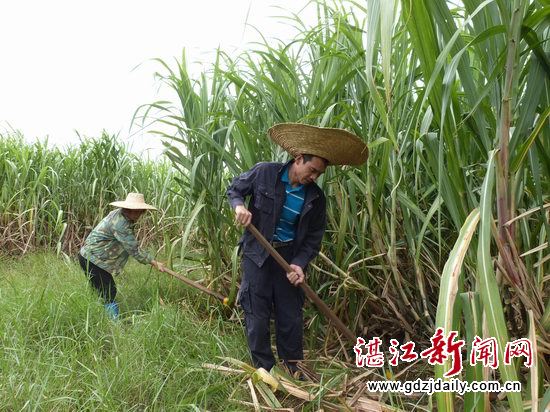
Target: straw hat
338	146
133	201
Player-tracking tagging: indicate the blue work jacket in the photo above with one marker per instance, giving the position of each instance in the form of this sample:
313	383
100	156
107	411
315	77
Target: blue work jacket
267	196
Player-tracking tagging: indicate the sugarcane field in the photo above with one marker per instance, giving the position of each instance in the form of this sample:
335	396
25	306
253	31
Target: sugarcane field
354	216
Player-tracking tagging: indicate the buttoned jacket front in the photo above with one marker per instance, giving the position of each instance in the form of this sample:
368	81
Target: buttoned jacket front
267	195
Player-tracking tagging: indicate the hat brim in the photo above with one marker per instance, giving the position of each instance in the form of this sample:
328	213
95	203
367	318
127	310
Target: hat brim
338	146
134	206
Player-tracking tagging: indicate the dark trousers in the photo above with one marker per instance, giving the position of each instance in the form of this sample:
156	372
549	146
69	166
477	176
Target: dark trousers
266	291
101	280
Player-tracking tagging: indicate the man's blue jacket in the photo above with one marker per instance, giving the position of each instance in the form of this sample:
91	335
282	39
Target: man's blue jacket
263	184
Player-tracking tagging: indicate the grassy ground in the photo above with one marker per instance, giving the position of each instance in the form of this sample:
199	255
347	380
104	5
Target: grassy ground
61	352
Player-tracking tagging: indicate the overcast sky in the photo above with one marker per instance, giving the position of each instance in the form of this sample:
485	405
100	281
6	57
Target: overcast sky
71	65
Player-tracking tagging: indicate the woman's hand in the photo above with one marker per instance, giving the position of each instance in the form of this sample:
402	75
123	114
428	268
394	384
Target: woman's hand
158	266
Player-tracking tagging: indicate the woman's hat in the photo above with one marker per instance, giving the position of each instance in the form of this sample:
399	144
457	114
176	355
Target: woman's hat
133	201
338	146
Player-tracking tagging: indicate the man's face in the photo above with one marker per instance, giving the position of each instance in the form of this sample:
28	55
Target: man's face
308	172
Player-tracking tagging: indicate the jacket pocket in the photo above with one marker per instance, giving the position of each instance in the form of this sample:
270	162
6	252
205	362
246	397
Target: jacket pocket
264	199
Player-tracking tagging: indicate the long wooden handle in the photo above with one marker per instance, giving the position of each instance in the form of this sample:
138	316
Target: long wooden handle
197	285
322	306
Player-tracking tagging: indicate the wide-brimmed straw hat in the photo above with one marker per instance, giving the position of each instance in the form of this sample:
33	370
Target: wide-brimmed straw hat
338	146
133	201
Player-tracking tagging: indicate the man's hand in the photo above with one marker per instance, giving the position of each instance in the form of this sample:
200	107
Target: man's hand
243	215
296	276
158	266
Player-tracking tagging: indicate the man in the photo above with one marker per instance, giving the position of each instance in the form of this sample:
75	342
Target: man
289	209
107	248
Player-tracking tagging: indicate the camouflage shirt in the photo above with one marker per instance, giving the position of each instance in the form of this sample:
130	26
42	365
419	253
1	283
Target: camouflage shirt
111	242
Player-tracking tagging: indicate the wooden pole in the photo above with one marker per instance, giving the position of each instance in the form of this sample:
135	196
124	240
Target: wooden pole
197	285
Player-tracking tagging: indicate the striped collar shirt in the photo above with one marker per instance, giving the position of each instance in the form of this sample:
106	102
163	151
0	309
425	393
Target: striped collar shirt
294	201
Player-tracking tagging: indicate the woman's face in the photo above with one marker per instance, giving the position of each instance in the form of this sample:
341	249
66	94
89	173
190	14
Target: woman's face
133	214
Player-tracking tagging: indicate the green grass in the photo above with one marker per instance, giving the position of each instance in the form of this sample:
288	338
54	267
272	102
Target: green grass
61	352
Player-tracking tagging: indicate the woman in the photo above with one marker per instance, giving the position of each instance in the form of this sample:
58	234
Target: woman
107	247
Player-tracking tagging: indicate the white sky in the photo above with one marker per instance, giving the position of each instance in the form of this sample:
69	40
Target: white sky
70	65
